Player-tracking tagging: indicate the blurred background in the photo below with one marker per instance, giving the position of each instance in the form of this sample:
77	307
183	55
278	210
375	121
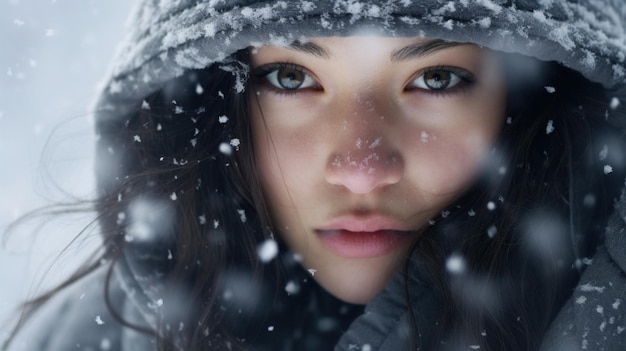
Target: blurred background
53	54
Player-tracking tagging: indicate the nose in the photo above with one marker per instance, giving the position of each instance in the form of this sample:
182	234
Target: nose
364	158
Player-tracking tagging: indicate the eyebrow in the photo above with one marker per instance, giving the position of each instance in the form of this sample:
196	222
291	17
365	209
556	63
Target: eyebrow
422	49
310	48
411	52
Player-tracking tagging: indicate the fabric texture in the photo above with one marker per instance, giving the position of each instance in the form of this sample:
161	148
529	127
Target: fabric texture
595	316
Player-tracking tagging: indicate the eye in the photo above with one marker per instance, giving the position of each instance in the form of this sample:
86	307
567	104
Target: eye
444	78
287	76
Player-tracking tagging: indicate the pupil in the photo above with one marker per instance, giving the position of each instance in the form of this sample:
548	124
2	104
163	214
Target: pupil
438	80
290	79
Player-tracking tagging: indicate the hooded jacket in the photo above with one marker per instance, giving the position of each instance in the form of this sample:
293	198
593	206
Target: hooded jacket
168	37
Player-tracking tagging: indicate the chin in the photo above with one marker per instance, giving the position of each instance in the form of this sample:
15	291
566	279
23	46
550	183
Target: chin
358	298
355	282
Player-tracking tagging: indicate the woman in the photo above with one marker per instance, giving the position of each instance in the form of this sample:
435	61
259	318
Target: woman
267	168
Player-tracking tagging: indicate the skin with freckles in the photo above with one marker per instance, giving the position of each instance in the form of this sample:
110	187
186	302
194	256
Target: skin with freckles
360	141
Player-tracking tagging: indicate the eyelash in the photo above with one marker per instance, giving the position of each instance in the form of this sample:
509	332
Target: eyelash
467	79
260	74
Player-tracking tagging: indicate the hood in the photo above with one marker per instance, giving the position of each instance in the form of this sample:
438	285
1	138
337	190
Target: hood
167	37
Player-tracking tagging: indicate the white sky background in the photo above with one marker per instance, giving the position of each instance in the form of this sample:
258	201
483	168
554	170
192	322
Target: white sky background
53	53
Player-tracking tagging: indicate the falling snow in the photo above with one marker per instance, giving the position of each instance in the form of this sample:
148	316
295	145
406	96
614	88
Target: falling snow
105	344
550	127
147	219
455	264
267	250
292	287
242	216
603	153
614	103
226	149
99	320
235	143
550	90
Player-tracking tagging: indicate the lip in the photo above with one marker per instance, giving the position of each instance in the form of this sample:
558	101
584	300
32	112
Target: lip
363	237
371	223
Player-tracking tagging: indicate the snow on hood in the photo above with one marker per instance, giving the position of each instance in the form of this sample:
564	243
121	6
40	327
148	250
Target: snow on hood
166	37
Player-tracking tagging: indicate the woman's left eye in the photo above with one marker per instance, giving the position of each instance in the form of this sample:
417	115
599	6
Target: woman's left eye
286	76
439	79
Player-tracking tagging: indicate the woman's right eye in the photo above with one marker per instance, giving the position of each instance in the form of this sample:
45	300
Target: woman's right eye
287	77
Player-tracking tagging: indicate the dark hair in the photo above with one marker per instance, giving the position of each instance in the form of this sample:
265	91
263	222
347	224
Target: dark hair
526	227
185	151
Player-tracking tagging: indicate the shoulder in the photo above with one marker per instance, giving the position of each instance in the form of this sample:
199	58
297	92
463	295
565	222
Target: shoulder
595	316
76	318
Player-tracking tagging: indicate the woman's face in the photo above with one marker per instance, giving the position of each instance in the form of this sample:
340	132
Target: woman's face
360	141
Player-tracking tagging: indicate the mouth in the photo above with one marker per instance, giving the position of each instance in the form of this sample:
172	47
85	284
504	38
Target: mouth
368	237
350	244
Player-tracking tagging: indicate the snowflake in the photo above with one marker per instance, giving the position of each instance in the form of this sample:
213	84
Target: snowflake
267	250
550	127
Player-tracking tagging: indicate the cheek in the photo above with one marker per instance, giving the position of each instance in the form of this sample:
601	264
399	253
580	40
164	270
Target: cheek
448	166
266	158
447	159
286	160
